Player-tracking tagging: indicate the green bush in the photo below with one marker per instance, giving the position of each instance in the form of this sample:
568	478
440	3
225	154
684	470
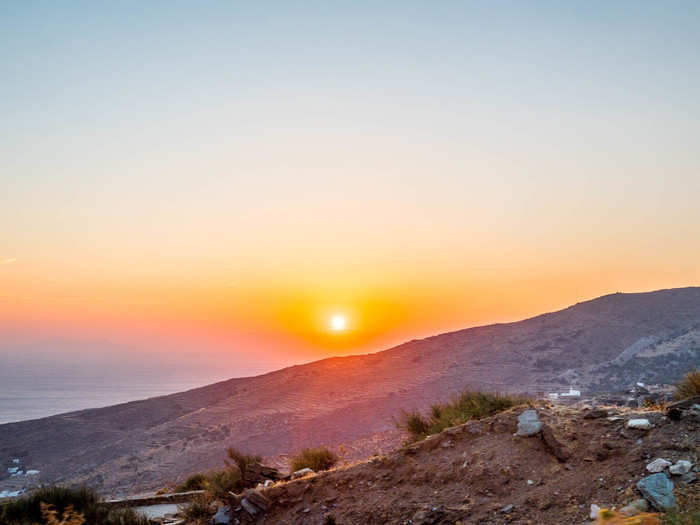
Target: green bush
27	510
316	459
689	385
465	407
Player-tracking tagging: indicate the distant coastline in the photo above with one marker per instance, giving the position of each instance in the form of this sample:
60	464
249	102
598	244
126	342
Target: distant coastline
31	393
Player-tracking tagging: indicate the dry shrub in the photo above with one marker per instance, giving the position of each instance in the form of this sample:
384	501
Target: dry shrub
199	510
316	459
689	385
69	516
241	460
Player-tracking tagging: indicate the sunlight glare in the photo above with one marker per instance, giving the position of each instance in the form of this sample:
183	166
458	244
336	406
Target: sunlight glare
338	323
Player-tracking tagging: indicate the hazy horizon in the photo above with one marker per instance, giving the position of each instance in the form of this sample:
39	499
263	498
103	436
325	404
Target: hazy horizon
235	187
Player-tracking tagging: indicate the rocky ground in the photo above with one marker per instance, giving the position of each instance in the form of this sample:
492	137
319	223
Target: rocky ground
484	473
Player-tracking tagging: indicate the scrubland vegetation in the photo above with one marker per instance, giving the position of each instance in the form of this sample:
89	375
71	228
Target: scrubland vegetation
316	459
689	386
465	407
218	483
66	506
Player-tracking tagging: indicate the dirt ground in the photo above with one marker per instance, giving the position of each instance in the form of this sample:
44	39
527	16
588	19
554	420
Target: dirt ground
481	473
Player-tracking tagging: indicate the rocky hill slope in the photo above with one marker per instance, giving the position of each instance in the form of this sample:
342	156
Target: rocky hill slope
599	345
483	473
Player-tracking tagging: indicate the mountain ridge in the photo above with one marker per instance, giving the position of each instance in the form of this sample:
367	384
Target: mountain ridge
352	400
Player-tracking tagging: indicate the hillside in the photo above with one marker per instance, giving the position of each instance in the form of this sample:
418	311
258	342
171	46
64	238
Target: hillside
600	345
482	473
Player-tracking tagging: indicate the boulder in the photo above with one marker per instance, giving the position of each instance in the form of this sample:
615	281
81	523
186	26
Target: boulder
681	467
595	510
222	516
658	465
258	473
641	424
636	507
658	490
529	423
257	498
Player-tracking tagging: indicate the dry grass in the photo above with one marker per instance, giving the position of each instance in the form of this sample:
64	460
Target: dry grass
316	459
199	511
69	516
465	407
689	386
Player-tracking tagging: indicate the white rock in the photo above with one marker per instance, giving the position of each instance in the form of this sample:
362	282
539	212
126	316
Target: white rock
268	482
301	473
642	424
595	509
10	493
15	460
681	467
32	472
658	465
636	507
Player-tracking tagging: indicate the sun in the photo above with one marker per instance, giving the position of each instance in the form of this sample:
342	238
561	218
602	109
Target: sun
338	323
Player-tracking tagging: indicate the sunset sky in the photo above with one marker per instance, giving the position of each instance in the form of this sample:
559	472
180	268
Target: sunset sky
212	183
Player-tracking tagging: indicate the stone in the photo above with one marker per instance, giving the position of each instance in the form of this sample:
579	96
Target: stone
301	473
529	423
636	507
681	467
658	465
595	510
658	490
222	516
689	478
640	424
507	509
249	507
554	445
596	413
258	499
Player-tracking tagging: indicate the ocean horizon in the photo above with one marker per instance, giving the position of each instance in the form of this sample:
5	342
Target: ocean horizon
32	392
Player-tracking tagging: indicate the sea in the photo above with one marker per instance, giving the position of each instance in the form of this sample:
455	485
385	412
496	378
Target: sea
31	392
